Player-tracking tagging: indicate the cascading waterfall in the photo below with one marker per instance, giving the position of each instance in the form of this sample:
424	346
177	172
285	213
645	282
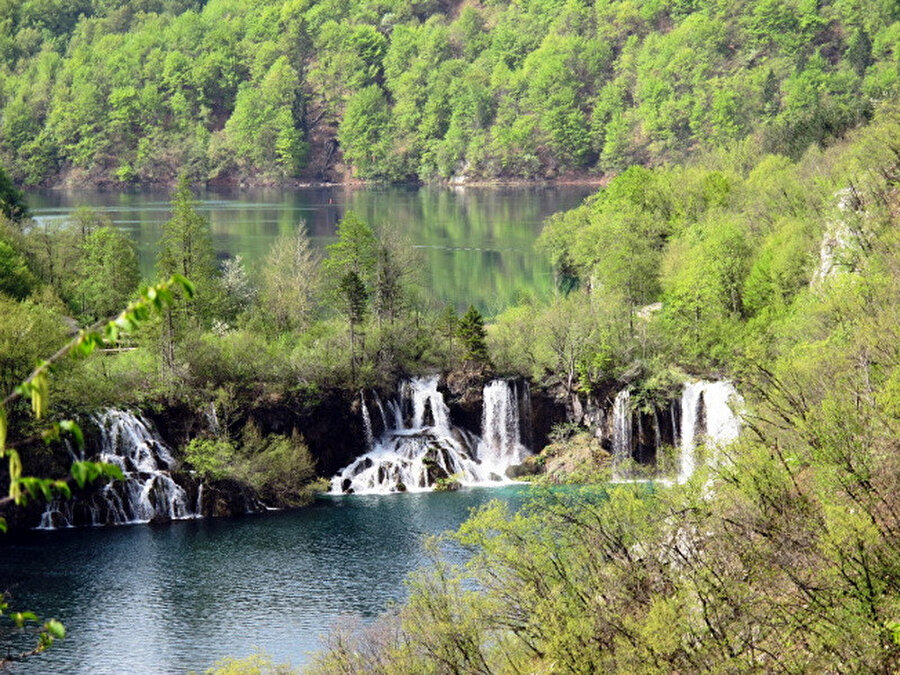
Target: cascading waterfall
420	445
712	403
690	408
722	424
367	421
500	445
707	417
148	491
622	433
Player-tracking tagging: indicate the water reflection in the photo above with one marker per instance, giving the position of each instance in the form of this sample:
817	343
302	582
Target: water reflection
167	599
476	243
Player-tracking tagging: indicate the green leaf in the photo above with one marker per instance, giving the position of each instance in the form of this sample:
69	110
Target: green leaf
110	470
75	430
40	392
80	473
185	284
55	628
62	487
2	529
21	618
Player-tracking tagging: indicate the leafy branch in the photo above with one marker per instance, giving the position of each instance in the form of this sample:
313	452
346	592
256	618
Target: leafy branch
36	388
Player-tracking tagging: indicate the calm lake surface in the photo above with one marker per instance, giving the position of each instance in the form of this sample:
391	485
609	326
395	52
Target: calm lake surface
175	598
476	244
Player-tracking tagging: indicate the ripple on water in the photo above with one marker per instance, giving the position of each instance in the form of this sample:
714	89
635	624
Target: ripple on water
169	599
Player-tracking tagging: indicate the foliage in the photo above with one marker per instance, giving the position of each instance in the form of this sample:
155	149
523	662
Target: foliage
36	388
279	468
472	334
255	664
12	201
281	89
107	272
290	281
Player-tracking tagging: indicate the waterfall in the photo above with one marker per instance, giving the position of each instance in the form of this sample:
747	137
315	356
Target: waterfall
690	408
148	491
622	435
722	424
707	417
500	446
709	402
420	445
367	421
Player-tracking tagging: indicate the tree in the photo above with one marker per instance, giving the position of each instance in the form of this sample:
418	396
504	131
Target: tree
353	298
290	280
351	266
186	248
16	280
238	292
448	325
12	200
354	251
473	336
262	132
108	272
365	133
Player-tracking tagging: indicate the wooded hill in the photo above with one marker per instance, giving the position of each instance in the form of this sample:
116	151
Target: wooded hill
123	91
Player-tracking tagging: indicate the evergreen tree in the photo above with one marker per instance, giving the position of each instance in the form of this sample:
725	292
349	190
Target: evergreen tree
186	245
186	248
473	335
108	272
350	267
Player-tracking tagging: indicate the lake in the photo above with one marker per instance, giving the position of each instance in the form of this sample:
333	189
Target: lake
476	243
174	598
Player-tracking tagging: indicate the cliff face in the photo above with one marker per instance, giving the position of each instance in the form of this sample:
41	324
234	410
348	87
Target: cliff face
329	424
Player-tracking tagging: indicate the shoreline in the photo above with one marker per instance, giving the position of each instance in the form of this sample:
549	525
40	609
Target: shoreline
113	186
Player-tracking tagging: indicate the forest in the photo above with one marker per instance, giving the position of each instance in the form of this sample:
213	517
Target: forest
120	92
747	229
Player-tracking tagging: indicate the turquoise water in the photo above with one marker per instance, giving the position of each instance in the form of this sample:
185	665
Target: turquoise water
474	245
175	598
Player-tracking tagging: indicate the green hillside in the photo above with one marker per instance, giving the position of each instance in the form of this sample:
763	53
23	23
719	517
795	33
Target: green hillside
232	90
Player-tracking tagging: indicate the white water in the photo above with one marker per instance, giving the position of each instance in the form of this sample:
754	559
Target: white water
690	405
500	445
622	434
148	491
420	444
723	422
712	403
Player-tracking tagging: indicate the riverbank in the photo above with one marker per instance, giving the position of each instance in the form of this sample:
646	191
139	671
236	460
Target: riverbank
76	180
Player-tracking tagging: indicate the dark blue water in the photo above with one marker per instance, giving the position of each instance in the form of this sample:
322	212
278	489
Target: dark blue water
175	598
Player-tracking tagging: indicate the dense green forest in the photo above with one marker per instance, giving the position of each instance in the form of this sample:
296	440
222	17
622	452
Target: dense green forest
781	556
750	232
231	90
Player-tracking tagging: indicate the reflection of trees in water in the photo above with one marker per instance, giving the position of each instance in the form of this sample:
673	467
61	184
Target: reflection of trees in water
476	244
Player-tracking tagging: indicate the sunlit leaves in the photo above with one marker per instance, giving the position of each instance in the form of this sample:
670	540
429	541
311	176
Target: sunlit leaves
84	472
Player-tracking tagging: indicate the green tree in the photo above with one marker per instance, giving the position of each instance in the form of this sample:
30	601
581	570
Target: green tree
12	200
353	298
16	279
186	248
108	272
290	281
473	336
351	265
365	134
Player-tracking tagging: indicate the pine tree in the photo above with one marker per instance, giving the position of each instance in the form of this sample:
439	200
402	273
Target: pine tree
473	335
